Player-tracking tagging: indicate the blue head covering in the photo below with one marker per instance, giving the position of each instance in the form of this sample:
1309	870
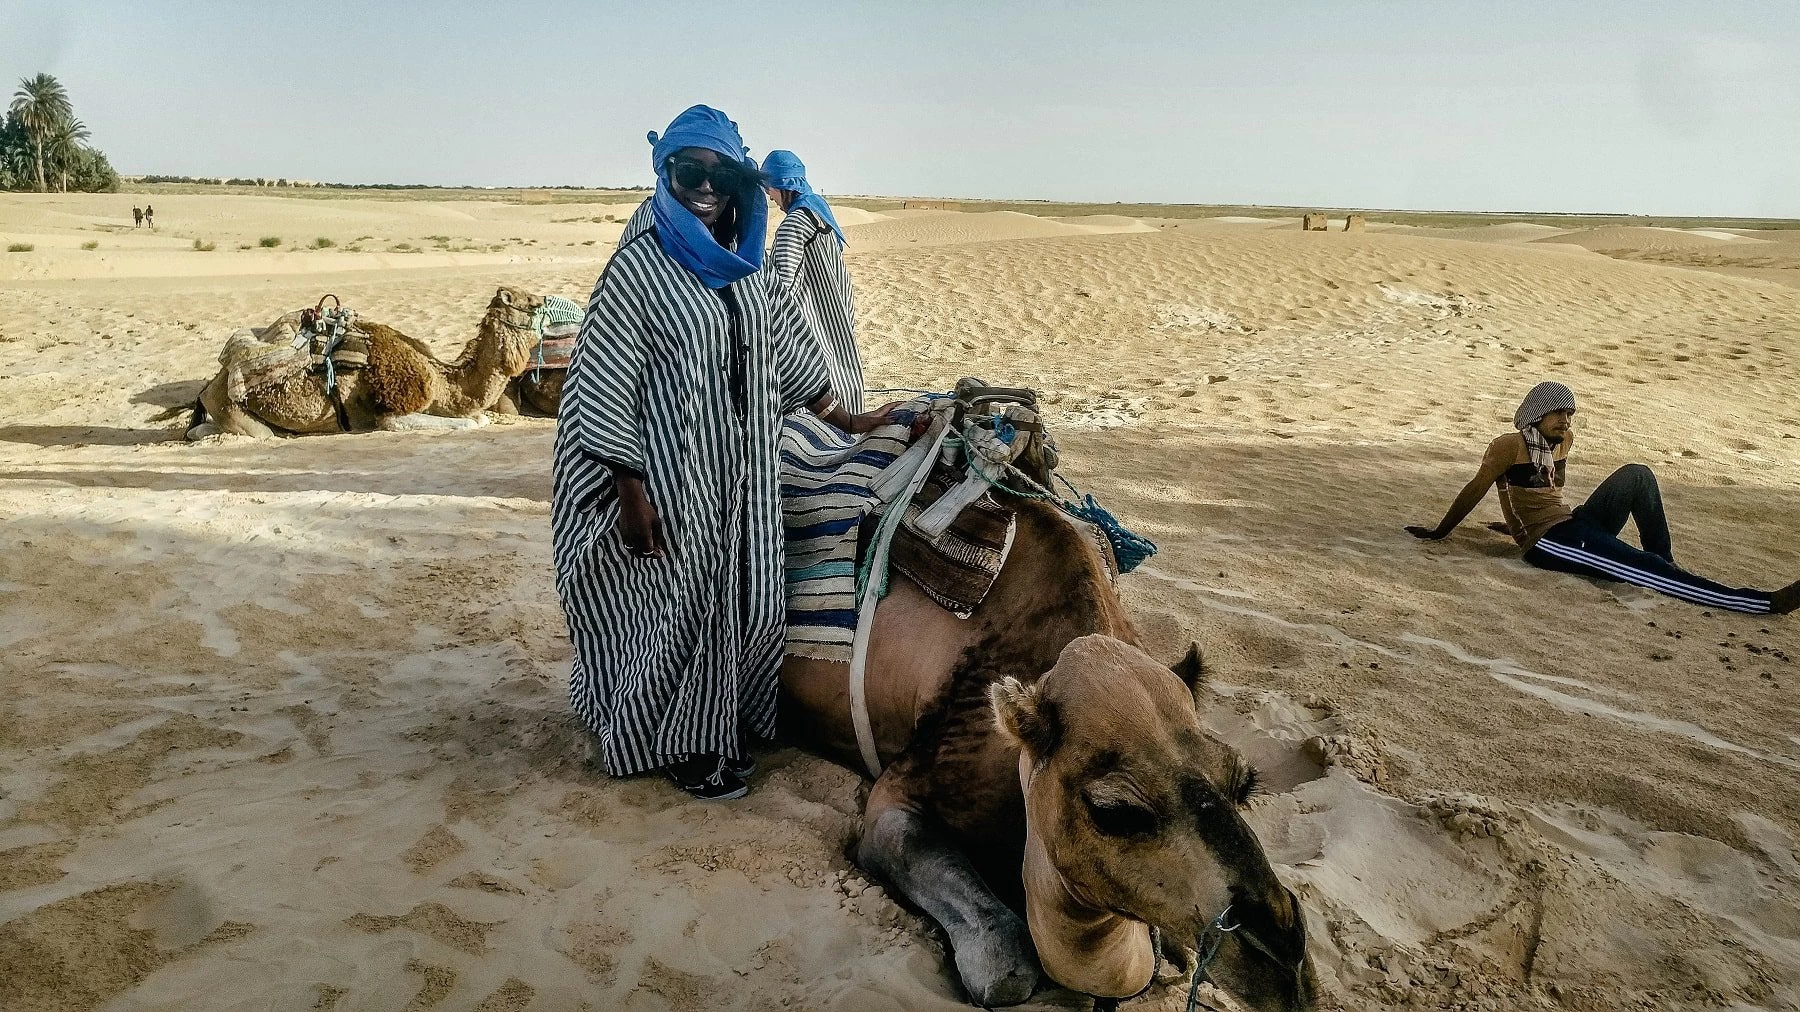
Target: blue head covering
785	172
681	234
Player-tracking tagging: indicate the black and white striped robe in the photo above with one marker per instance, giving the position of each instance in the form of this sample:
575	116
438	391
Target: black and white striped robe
807	262
672	654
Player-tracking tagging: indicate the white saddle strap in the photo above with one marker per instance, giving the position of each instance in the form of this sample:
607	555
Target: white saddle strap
865	614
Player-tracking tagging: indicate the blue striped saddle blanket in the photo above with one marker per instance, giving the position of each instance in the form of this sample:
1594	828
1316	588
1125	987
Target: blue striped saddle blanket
827	490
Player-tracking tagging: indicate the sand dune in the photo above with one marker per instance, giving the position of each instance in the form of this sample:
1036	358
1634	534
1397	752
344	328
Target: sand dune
281	724
948	228
1638	238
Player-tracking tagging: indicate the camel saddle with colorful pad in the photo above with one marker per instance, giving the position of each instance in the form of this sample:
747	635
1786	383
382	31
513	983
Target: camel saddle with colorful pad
917	497
558	323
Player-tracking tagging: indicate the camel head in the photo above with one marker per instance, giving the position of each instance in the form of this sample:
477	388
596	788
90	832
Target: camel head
1132	822
509	319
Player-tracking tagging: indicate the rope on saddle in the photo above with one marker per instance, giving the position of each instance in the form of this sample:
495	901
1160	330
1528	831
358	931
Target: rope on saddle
1129	547
327	328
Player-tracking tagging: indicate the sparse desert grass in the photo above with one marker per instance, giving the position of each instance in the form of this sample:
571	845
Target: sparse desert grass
202	246
269	241
404	247
322	243
20	247
441	240
91	244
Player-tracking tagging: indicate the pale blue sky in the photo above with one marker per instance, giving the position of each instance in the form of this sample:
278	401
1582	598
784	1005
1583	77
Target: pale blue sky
1665	108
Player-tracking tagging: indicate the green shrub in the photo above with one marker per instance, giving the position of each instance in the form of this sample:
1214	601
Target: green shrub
269	241
91	244
20	247
201	246
322	243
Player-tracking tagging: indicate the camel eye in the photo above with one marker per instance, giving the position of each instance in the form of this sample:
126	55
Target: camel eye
1121	818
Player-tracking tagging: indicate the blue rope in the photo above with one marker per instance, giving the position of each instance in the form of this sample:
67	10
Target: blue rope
1129	548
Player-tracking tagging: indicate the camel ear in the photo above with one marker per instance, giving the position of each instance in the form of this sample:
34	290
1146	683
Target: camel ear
1024	717
1191	669
503	296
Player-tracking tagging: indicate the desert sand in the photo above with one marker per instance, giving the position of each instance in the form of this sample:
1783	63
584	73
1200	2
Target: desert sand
282	724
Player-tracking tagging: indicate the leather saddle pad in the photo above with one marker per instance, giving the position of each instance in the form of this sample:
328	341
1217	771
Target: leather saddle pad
958	567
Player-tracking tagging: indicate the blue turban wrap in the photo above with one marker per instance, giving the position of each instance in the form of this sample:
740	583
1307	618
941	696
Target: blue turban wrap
785	172
682	235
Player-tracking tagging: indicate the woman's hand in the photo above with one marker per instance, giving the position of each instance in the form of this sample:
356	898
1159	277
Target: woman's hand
639	526
869	421
1427	533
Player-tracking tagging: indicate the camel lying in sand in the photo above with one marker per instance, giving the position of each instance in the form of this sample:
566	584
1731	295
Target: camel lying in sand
404	386
1034	756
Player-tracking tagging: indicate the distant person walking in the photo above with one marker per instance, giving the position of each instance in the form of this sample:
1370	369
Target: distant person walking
807	262
137	216
1530	467
149	216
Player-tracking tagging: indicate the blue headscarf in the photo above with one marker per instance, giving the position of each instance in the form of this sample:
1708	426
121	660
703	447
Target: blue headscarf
681	234
785	172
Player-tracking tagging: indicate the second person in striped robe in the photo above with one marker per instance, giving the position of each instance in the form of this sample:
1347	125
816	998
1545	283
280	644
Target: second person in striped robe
665	510
807	262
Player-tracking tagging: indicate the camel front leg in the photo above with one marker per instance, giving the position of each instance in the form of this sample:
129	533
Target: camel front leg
992	945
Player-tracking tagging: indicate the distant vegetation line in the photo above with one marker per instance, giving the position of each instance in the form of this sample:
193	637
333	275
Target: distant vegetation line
1041	208
43	147
380	191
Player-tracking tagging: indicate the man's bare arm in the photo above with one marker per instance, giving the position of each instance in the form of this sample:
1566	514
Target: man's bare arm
1498	458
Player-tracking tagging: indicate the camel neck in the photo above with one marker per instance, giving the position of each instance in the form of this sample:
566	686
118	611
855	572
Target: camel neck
478	374
1082	946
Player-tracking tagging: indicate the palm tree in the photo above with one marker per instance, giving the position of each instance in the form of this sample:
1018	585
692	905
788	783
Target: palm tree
41	105
65	147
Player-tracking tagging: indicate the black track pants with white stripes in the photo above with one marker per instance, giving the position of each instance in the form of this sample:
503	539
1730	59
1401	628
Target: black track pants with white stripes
1583	547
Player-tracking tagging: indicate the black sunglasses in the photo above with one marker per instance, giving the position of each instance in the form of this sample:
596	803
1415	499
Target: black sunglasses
726	177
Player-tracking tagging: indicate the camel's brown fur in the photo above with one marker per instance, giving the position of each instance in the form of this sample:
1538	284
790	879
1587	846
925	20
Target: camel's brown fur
400	371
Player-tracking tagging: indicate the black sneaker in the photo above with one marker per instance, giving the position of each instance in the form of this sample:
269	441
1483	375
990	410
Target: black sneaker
705	778
741	767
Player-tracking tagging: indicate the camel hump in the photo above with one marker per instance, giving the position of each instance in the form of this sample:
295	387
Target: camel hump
399	373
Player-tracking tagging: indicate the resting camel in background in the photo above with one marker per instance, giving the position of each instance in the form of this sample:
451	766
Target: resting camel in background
1034	756
404	386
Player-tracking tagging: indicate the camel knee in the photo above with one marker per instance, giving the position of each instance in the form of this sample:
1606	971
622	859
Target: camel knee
886	840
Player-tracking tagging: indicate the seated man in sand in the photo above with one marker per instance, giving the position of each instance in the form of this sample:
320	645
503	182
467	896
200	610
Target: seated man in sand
1530	467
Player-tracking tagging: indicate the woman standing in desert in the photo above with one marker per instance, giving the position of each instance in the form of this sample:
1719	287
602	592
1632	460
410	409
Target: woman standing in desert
666	511
807	262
